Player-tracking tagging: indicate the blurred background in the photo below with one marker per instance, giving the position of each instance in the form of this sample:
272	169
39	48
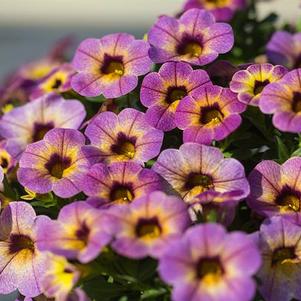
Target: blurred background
28	28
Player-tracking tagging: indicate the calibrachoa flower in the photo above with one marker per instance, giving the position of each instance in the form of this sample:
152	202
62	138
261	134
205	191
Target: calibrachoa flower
250	83
120	182
194	38
284	48
280	245
211	113
20	260
78	232
148	225
55	163
59	279
283	99
110	65
58	81
123	137
222	10
275	189
196	168
208	263
161	92
30	122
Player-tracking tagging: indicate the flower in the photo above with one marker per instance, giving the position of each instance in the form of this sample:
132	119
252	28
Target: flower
196	168
58	81
148	225
194	38
54	163
120	182
78	233
276	189
250	83
20	260
59	278
208	263
110	65
284	48
162	92
280	245
30	122
124	137
211	113
222	10
283	99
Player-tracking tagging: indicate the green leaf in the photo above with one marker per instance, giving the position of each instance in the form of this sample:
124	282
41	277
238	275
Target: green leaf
283	153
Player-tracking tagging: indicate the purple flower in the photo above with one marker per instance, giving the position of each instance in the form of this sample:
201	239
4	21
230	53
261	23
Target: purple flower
283	100
162	92
120	182
110	65
211	113
194	38
30	122
20	260
78	233
123	137
276	189
208	263
55	163
223	10
58	81
280	245
284	48
148	225
196	168
250	83
59	279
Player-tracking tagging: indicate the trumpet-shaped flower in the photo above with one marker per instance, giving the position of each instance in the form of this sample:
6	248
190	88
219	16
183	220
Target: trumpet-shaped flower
55	163
120	182
20	260
284	48
280	244
78	233
283	100
194	169
208	263
250	83
211	113
162	92
194	38
148	225
30	122
110	65
276	189
123	137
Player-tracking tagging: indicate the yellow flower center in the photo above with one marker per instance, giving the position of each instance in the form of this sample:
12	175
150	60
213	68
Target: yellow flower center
289	201
192	49
57	165
194	180
19	242
259	86
211	115
126	148
148	228
175	94
121	195
283	255
113	65
209	270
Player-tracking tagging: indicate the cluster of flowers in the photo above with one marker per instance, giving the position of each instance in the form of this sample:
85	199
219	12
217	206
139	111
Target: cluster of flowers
83	176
